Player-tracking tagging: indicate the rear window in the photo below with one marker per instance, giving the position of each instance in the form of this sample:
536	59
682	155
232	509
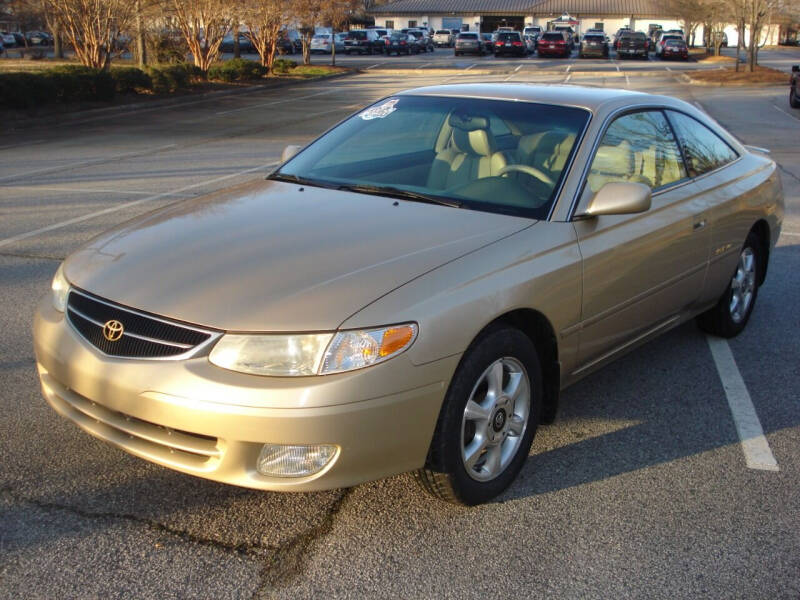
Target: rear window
594	37
553	36
468	36
634	36
512	36
678	43
443	32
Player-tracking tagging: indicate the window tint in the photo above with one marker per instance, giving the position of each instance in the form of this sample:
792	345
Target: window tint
553	37
640	148
704	149
468	36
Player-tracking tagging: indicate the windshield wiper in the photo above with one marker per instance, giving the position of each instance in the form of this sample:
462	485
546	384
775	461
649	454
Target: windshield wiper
301	180
394	192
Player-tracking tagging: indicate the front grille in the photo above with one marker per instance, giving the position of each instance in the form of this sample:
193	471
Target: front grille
144	336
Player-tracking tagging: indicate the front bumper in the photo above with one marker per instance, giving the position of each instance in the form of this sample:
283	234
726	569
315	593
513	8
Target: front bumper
194	417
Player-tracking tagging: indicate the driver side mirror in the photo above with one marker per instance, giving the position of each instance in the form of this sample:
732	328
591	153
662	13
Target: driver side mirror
289	152
619	198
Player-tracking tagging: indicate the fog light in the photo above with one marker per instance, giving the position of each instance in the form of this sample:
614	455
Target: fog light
277	460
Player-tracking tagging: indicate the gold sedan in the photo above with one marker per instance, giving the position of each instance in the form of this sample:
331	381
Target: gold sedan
410	291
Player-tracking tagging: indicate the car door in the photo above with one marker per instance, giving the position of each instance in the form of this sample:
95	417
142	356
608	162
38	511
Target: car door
708	158
640	271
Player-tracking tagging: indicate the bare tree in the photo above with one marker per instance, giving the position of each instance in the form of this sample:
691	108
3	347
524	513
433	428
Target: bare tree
335	14
756	13
308	14
203	24
92	27
691	13
264	20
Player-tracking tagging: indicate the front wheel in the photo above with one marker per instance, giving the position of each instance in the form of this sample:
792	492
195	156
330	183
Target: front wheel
730	314
794	101
487	422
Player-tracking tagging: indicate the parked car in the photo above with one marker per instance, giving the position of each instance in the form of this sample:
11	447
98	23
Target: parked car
620	31
794	97
270	350
401	43
487	40
663	39
593	44
321	43
553	43
509	42
245	45
423	39
444	38
290	42
530	43
469	42
675	49
632	44
363	41
569	33
9	41
39	38
535	30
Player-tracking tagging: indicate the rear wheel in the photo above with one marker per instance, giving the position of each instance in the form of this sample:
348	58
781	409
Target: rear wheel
794	101
487	422
731	313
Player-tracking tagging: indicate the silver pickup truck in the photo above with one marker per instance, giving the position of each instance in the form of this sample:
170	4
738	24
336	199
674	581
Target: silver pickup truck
443	38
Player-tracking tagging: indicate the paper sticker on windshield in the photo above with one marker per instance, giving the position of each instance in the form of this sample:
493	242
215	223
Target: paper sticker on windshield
379	112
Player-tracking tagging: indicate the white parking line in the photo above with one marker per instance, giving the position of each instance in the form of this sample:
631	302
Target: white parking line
509	77
627	81
472	65
272	102
792	233
757	453
568	68
568	77
373	66
87	163
118	207
517	69
616	65
786	113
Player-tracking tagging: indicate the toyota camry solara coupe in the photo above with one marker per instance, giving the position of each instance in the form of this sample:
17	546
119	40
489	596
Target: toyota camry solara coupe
410	291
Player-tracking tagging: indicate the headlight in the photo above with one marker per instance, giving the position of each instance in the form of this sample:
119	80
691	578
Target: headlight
60	287
311	354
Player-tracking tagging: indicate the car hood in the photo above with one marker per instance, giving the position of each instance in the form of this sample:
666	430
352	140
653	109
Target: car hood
273	256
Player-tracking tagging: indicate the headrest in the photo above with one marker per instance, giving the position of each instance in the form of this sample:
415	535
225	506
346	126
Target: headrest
478	142
617	160
468	122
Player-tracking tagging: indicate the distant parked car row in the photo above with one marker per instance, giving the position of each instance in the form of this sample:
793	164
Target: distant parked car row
17	39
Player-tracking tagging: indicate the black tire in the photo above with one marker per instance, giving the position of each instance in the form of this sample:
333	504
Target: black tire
719	320
445	475
794	101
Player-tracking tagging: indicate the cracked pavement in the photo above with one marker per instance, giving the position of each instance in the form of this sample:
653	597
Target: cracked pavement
638	490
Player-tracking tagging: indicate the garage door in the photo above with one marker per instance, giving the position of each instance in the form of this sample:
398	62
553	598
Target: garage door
451	23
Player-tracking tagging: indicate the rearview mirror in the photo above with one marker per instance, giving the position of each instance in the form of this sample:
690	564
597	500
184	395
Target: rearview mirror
289	152
619	198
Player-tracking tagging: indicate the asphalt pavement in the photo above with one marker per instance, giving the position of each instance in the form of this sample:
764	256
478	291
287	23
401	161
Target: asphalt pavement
639	489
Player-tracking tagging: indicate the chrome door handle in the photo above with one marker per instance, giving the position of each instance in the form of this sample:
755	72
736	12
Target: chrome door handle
699	224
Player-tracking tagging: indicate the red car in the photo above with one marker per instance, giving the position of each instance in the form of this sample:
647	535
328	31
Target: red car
675	49
794	98
553	43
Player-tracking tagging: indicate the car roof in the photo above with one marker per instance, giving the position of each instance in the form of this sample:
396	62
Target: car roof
591	98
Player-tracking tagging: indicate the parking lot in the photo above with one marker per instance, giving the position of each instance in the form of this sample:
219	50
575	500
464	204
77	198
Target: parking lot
639	489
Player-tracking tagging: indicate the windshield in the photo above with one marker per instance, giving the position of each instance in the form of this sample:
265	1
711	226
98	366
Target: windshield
490	155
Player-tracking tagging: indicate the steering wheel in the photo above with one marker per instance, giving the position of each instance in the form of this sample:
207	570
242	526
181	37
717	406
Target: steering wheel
532	171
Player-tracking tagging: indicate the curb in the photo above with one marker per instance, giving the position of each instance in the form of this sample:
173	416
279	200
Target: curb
111	111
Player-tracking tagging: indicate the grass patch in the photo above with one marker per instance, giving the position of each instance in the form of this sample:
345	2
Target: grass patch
316	70
761	75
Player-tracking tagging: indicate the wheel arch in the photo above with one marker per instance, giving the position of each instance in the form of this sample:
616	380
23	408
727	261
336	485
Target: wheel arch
537	327
761	229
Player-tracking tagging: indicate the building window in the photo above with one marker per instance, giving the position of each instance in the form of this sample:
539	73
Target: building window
598	26
412	24
389	25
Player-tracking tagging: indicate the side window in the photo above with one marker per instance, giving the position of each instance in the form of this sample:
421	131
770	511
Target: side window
705	150
637	147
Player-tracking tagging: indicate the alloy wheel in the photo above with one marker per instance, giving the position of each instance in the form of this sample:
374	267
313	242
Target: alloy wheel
743	285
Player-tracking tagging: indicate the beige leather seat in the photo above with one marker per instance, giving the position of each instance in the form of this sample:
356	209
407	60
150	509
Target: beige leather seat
612	163
547	151
471	154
